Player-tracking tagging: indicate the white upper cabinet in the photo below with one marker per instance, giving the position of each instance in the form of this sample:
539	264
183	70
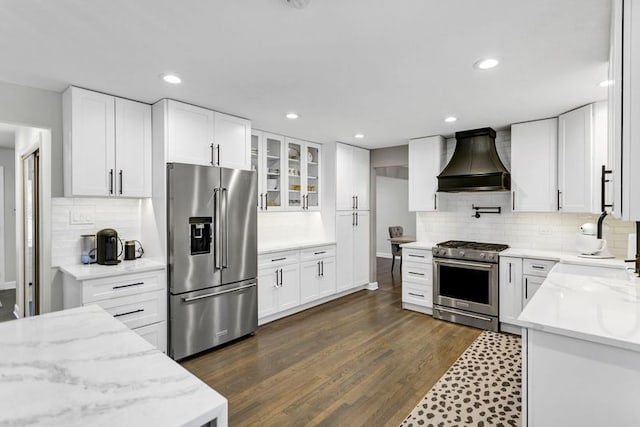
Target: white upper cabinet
424	167
267	158
107	145
624	104
190	134
534	167
133	148
303	175
581	154
353	178
200	136
232	140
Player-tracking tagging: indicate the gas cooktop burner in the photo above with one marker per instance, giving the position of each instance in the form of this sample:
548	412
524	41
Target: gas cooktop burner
475	251
461	244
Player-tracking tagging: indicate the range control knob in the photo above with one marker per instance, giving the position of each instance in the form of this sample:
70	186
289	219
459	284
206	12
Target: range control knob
461	253
443	251
482	255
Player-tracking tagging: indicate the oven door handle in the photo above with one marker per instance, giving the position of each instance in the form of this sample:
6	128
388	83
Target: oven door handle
463	264
465	313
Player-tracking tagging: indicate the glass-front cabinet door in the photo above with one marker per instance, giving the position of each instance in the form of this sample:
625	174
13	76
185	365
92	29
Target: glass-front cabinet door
273	188
294	173
313	171
267	159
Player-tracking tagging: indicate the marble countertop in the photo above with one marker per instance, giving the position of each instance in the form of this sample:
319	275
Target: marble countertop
82	367
291	246
568	257
597	309
94	271
419	245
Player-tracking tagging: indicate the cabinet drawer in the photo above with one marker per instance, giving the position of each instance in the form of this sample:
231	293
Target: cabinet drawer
317	253
155	334
537	267
417	295
417	272
416	255
129	284
278	258
139	309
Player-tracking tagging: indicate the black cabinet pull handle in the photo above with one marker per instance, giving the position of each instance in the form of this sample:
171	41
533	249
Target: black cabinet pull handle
416	295
279	259
513	201
261	206
140	310
321	252
356	217
510	272
129	285
435	202
110	181
319	274
356	203
218	152
416	256
120	173
322	268
280	277
416	274
277	279
212	159
559	193
538	267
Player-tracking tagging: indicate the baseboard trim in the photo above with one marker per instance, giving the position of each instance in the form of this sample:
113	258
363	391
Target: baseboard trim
383	255
512	329
7	285
418	308
372	286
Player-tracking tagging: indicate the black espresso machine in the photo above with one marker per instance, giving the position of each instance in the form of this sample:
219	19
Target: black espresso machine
107	247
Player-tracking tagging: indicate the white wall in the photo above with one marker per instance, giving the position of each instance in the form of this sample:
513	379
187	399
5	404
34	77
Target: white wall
392	202
551	231
40	108
7	160
123	215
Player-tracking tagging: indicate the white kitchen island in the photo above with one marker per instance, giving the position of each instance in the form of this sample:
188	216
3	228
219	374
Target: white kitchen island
82	367
581	349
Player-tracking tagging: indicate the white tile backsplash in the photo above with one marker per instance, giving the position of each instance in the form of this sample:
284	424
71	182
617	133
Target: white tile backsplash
551	231
123	215
290	227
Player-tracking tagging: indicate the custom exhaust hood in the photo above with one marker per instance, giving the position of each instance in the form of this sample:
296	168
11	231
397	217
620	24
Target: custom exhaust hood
475	164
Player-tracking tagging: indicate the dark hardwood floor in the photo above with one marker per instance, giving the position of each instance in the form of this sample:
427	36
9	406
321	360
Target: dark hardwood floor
359	360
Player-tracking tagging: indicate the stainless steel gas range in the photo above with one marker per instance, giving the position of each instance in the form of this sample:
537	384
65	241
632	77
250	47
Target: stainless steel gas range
465	283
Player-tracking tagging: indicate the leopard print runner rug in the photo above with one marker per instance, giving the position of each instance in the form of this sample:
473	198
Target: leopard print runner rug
482	388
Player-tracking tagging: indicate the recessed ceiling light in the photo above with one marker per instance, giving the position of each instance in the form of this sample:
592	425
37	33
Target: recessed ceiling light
172	78
358	135
450	119
605	83
486	63
292	116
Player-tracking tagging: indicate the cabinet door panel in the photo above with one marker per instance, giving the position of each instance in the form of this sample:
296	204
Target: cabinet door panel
510	289
233	135
92	143
575	160
310	281
361	249
190	134
328	278
274	173
313	171
294	173
424	167
530	287
534	166
133	148
344	248
289	291
267	292
361	177
344	178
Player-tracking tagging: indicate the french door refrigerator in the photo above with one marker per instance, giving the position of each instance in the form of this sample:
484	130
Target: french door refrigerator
212	256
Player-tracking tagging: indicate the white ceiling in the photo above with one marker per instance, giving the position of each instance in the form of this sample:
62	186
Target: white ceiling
389	69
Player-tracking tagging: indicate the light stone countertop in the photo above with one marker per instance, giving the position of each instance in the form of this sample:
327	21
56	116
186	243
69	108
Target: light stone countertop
82	367
419	245
604	310
95	271
564	257
291	246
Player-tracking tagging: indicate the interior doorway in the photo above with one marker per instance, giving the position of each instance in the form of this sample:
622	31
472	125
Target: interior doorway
31	232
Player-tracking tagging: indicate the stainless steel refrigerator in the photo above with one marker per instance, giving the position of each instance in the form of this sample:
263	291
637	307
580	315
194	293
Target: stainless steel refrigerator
212	256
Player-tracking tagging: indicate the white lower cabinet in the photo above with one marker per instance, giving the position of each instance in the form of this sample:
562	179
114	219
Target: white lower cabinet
139	300
520	278
352	235
417	280
292	281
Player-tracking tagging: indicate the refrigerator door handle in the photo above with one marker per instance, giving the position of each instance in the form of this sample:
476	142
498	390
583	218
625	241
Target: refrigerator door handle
225	220
215	294
217	250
